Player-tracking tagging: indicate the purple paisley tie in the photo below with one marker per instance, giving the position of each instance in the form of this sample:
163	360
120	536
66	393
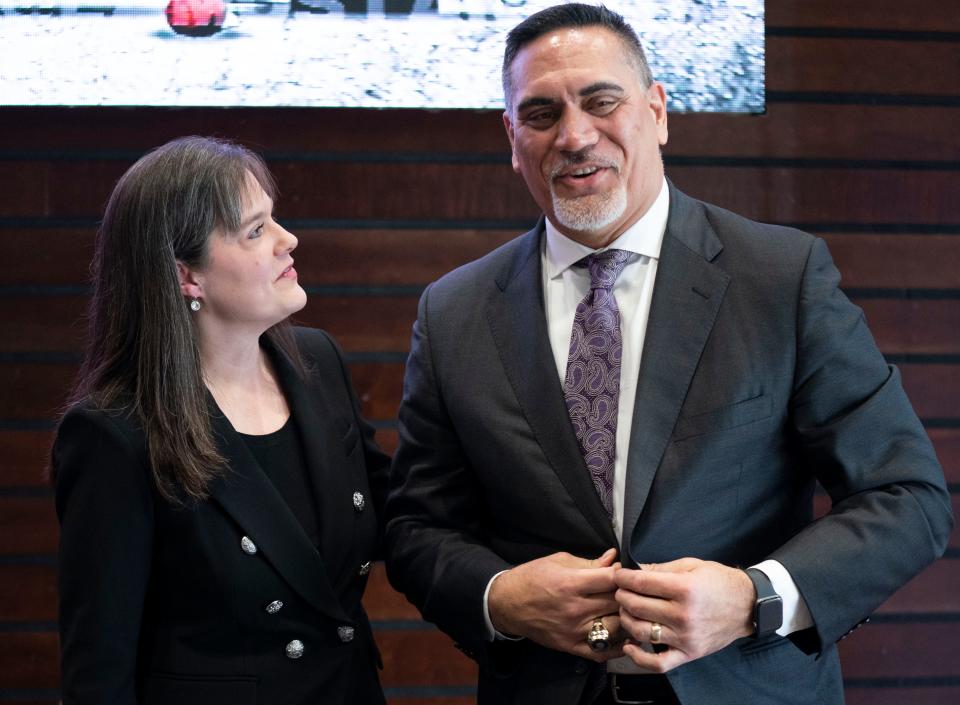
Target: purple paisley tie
592	383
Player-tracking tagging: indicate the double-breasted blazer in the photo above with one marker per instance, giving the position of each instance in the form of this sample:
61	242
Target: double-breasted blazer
758	380
226	600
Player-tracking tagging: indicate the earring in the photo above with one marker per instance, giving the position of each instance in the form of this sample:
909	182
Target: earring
195	305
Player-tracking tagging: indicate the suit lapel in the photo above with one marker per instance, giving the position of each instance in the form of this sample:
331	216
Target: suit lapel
250	498
518	323
686	299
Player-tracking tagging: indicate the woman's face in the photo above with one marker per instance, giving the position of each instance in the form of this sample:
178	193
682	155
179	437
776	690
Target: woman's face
248	282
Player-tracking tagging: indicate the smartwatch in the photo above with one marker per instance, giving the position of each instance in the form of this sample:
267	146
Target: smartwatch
768	609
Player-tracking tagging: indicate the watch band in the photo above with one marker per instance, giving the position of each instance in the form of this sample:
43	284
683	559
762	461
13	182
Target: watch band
768	608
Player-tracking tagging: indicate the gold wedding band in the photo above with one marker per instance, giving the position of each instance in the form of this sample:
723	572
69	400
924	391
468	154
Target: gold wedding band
598	638
655	632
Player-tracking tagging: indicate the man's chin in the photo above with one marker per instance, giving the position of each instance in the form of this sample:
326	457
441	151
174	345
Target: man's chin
589	214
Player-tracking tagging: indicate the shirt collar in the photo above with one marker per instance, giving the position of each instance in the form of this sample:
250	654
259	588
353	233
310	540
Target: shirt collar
644	237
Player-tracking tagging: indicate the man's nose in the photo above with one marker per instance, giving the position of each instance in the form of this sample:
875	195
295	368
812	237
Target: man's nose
576	131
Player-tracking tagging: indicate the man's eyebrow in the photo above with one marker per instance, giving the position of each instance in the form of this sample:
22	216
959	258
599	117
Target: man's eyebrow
600	86
539	101
534	102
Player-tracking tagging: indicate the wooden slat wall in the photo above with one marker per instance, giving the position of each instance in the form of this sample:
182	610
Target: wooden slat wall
858	145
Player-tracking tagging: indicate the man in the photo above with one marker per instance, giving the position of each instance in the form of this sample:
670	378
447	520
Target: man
668	406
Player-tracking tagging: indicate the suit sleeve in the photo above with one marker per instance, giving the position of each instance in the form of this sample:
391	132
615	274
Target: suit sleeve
890	514
105	506
436	553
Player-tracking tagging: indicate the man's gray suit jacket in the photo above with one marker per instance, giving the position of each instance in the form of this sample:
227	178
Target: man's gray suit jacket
758	380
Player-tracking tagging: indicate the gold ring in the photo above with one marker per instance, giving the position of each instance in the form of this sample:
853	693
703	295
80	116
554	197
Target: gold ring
598	638
655	632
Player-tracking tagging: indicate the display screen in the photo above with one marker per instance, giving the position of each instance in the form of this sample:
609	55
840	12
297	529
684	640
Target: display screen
433	54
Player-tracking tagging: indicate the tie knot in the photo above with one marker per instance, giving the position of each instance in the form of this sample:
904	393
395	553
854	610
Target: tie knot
605	267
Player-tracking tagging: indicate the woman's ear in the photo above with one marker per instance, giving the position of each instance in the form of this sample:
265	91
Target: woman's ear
190	283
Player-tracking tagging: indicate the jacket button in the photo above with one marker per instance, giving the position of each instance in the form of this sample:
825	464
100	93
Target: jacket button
274	607
345	634
248	546
295	649
359	501
365	568
581	666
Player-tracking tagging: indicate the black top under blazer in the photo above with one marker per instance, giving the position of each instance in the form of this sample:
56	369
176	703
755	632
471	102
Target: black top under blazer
211	603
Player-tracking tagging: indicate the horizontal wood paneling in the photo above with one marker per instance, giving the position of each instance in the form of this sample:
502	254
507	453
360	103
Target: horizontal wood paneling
417	257
387	440
423	658
29	391
943	695
493	192
37	390
935	590
881	14
28	593
323	257
913	326
46	324
901	650
933	389
24	455
28	526
786	130
897	261
869	66
947	443
30	660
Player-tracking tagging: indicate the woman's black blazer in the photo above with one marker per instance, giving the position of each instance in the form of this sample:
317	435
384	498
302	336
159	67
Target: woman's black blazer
226	600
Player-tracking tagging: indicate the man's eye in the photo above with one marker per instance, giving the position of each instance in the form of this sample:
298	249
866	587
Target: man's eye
603	106
256	232
542	118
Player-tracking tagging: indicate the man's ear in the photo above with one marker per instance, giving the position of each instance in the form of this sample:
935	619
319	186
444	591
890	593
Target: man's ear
513	153
657	98
191	284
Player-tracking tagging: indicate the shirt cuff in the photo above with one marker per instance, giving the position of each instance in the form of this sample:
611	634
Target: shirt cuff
493	634
796	615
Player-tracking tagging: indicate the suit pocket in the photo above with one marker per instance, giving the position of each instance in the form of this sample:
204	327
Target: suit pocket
163	689
726	417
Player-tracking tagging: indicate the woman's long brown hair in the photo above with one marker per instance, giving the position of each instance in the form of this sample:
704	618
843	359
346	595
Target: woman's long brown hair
142	356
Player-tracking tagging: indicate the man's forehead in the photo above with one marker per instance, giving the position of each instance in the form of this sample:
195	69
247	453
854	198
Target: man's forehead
583	56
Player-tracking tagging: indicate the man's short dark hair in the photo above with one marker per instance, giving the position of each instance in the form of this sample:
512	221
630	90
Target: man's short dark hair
567	16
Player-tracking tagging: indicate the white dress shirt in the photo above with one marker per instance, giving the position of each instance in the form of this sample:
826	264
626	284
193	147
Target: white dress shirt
564	287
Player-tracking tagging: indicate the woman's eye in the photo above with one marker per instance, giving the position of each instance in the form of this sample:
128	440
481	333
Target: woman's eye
256	232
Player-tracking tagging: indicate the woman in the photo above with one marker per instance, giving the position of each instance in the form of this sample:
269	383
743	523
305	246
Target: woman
217	489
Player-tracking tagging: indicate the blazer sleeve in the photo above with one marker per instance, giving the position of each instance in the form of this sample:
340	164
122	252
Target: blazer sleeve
105	506
436	553
890	514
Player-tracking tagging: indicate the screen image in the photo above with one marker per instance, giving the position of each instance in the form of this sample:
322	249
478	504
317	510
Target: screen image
433	54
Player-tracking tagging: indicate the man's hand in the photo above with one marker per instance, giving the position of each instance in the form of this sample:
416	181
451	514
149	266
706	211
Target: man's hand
554	601
701	606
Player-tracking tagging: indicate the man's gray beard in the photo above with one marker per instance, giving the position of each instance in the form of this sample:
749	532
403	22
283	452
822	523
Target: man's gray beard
589	213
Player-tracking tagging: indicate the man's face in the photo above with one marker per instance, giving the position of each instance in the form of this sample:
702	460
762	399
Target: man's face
585	133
